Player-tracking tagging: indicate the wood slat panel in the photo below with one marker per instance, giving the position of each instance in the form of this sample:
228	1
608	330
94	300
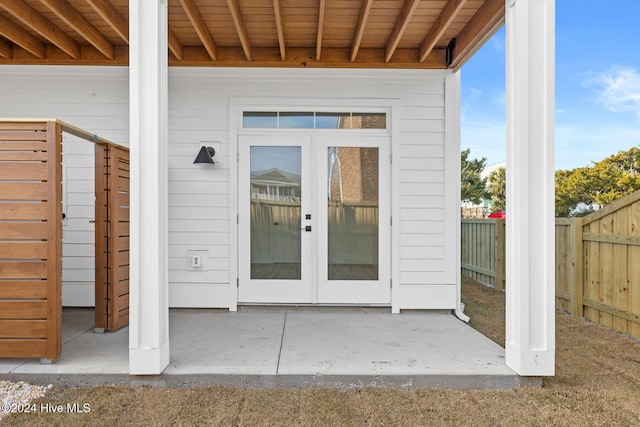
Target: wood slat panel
122	258
24	230
23	348
23	288
23	191
23	155
23	136
122	228
24	211
23	309
23	250
12	145
15	125
24	171
23	329
23	269
122	287
122	199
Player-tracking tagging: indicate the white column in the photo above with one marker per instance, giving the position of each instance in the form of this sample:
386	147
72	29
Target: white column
530	316
149	288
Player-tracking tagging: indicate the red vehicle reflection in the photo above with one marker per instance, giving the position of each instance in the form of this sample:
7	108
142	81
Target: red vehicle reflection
498	214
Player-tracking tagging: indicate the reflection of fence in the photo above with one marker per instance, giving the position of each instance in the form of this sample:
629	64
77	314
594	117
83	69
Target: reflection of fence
353	233
275	232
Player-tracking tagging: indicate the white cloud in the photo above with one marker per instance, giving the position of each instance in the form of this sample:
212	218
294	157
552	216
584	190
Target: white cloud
618	89
474	93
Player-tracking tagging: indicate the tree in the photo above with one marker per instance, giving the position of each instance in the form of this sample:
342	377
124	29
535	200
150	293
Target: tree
497	186
472	185
602	183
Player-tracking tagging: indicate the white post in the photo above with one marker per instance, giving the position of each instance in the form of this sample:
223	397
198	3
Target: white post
530	312
149	289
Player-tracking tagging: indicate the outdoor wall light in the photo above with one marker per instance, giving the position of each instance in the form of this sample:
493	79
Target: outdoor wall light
205	156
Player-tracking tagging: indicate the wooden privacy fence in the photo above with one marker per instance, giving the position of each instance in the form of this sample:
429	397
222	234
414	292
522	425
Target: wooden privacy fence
597	263
483	250
112	236
30	239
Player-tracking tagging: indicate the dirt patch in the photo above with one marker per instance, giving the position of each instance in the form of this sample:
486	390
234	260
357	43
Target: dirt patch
597	384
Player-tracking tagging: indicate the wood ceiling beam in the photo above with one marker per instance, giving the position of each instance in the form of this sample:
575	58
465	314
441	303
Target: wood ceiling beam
79	23
241	29
34	20
359	33
6	51
279	29
402	23
487	20
13	32
174	45
321	9
191	9
111	16
446	17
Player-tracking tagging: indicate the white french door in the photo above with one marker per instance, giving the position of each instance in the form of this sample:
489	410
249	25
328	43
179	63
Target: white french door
314	219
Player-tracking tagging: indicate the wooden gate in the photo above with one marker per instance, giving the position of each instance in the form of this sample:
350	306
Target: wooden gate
112	237
30	239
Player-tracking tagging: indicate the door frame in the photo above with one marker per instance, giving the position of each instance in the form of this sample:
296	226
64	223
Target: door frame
240	104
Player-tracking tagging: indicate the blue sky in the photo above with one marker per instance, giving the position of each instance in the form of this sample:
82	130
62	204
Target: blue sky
597	85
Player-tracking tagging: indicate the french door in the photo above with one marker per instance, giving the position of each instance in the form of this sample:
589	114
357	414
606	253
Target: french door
314	219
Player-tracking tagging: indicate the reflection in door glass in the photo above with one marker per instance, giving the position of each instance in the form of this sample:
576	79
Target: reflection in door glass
275	191
353	213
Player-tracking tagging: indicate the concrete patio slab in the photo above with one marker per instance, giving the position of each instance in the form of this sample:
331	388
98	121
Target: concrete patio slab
285	347
217	342
426	343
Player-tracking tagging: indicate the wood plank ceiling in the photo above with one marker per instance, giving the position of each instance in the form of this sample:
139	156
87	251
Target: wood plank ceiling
256	33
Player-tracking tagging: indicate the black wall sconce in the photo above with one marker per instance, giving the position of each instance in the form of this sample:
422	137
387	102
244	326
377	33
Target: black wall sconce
205	156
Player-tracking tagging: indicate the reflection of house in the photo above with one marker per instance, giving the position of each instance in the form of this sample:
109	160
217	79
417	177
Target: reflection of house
353	174
275	184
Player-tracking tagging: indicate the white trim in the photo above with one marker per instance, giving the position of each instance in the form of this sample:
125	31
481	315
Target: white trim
530	296
149	285
237	105
452	185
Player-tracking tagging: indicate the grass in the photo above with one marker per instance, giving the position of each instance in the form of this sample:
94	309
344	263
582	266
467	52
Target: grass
597	384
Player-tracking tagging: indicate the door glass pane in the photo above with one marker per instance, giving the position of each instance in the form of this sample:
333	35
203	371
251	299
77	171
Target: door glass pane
353	213
275	212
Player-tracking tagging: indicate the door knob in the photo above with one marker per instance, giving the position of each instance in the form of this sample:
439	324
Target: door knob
306	228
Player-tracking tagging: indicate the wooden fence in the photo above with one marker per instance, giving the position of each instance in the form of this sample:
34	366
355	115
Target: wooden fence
112	237
483	251
597	262
30	239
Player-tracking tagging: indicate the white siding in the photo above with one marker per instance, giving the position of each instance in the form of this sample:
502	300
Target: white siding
202	199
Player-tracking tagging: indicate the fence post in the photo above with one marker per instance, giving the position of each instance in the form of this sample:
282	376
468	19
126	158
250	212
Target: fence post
576	278
500	255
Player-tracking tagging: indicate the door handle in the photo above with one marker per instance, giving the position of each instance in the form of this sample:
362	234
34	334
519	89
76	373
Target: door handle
306	228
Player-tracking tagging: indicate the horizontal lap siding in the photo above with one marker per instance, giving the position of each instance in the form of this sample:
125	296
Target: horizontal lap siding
96	99
422	184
